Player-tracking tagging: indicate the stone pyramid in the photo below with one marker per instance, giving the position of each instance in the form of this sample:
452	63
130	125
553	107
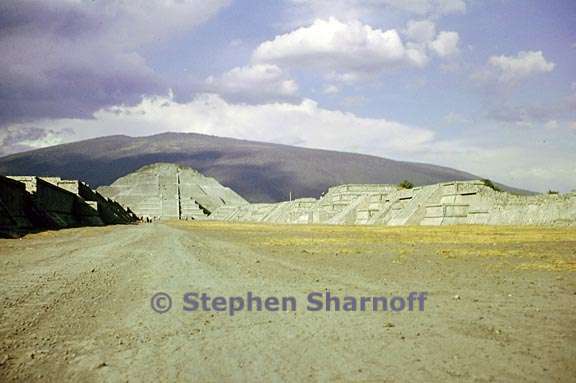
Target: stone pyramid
170	191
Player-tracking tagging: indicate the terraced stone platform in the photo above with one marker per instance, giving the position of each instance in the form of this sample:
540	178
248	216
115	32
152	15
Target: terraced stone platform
170	191
462	202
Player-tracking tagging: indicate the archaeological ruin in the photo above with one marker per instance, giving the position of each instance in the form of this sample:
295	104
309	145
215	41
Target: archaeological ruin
170	191
164	191
30	203
465	202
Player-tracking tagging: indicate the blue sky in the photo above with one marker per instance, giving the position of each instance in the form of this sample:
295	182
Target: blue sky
483	86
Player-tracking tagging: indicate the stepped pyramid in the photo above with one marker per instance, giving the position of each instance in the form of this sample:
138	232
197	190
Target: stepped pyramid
170	191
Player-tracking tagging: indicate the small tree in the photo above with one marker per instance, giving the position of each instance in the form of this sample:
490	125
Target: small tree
491	185
553	192
406	184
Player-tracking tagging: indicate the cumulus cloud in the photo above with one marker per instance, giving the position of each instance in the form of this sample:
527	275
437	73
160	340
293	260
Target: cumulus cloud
304	124
446	44
70	58
480	150
421	31
422	37
254	83
22	137
509	69
348	52
348	49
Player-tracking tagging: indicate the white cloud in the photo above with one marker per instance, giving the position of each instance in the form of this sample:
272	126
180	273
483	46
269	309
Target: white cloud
260	82
22	137
422	31
481	150
305	124
349	52
345	48
446	44
510	69
423	38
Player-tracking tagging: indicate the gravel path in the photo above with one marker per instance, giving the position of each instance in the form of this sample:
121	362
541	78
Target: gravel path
76	307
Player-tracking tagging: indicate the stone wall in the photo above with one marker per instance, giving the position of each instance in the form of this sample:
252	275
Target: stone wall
60	204
474	203
466	202
29	203
107	210
15	204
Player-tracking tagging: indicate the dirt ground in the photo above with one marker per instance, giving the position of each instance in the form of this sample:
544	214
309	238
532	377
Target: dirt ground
501	307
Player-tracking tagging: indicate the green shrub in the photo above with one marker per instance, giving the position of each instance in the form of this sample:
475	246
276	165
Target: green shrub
406	184
491	185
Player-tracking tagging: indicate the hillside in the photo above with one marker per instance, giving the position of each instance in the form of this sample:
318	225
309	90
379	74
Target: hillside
260	172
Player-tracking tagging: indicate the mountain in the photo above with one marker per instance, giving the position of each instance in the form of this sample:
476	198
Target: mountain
260	172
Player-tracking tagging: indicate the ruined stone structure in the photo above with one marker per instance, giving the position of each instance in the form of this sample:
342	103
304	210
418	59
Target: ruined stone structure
15	204
30	203
466	202
170	191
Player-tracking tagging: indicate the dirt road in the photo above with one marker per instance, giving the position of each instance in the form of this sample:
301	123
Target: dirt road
75	305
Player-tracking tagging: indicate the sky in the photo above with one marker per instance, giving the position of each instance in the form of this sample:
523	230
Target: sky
485	86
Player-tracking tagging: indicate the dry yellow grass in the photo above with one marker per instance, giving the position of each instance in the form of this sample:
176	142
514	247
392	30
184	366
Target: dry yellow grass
536	247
